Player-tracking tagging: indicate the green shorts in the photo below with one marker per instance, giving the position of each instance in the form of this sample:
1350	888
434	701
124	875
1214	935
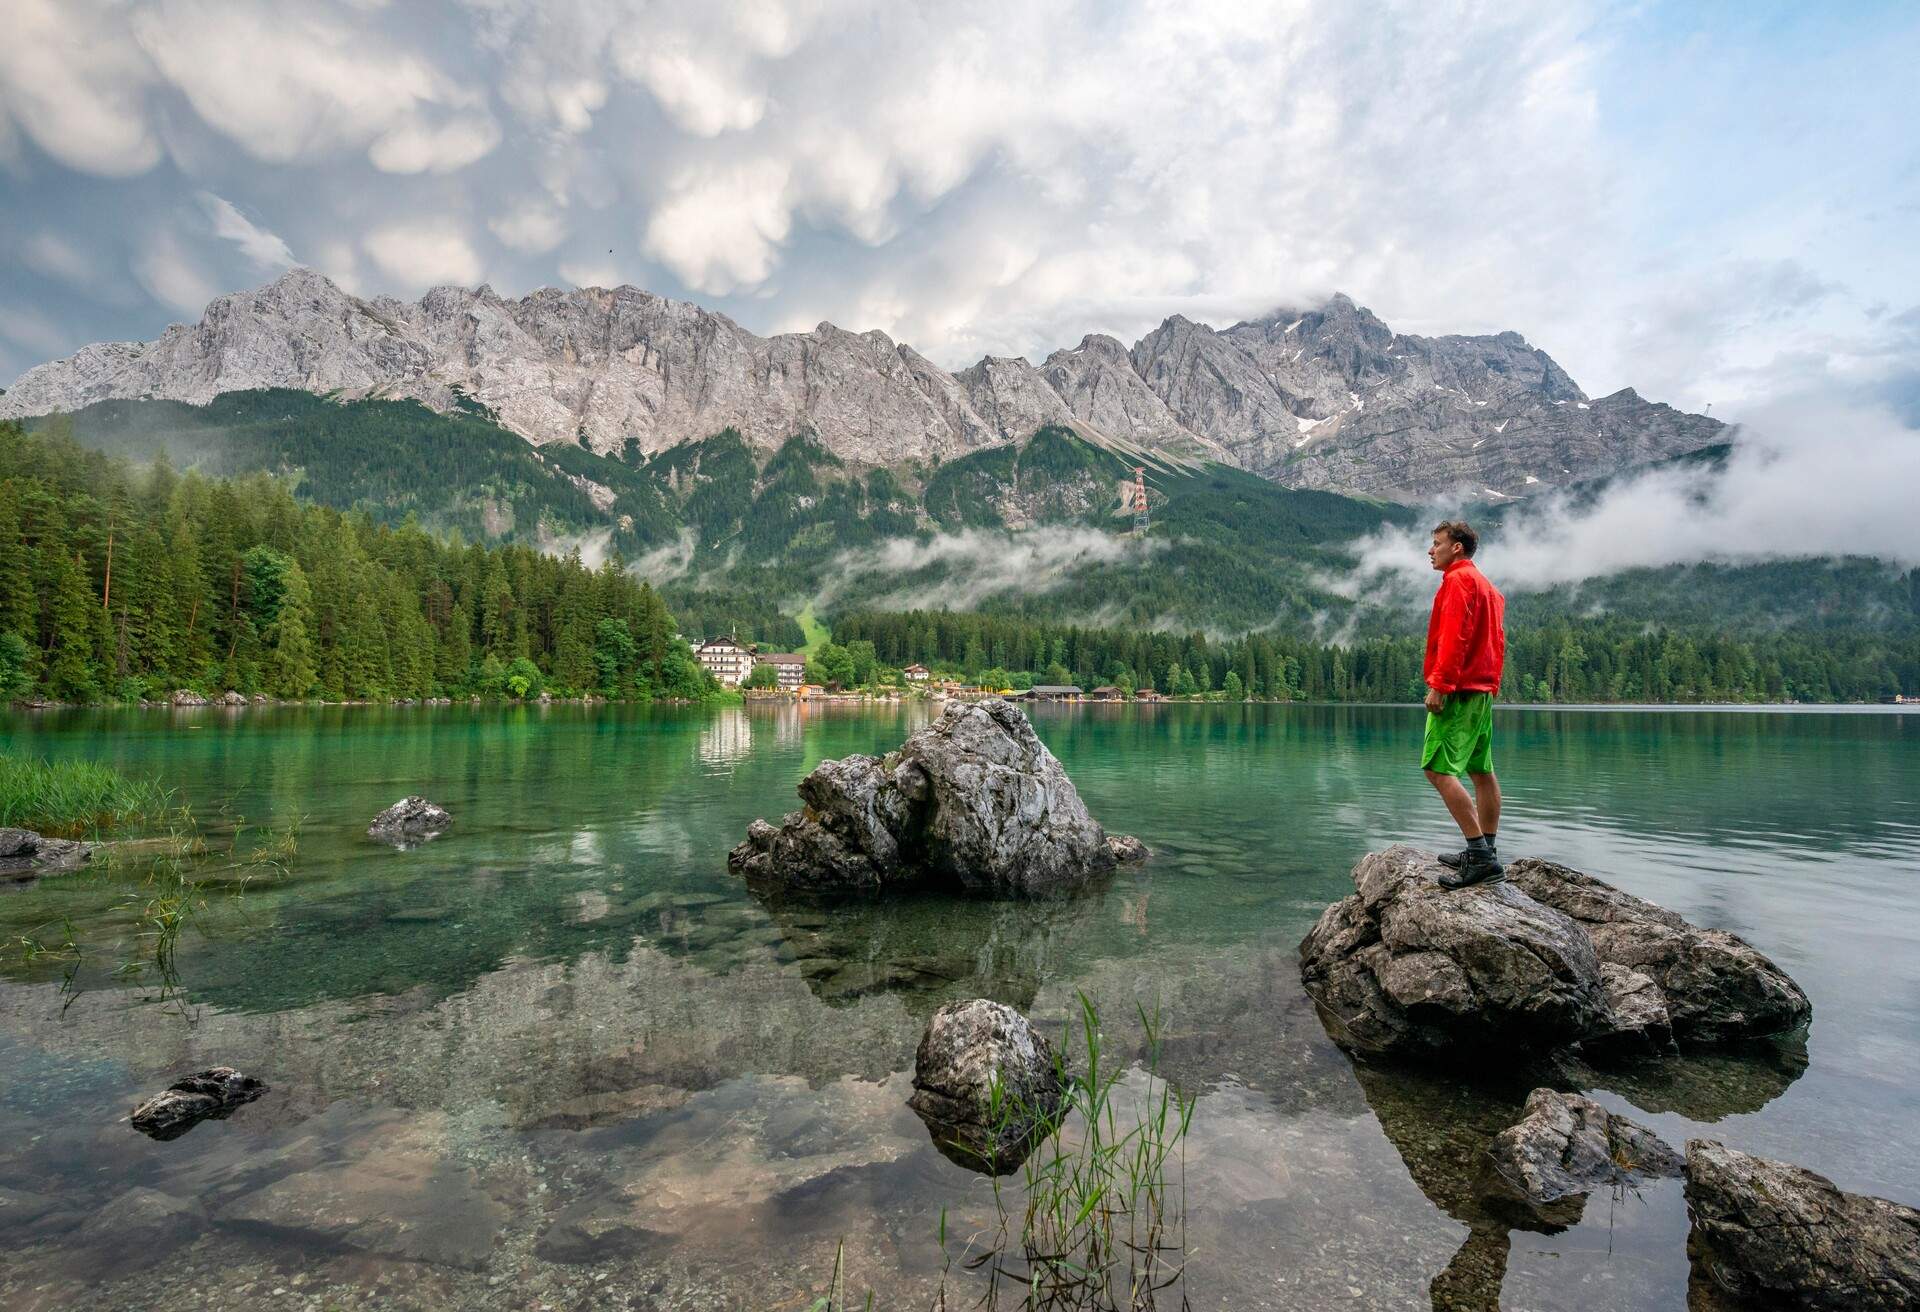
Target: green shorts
1460	737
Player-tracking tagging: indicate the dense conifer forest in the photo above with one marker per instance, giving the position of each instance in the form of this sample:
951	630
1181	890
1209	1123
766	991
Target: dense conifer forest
119	584
1562	661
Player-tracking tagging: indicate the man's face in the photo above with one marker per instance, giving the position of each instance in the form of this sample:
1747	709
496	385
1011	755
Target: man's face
1443	551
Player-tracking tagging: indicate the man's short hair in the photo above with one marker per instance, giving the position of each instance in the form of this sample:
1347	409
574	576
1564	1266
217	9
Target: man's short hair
1460	531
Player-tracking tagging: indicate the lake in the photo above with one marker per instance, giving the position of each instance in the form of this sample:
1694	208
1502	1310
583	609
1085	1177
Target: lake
560	1058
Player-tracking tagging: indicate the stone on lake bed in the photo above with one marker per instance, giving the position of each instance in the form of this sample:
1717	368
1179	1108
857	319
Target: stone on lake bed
407	1204
1779	1236
972	803
409	821
986	1083
209	1094
139	1229
1567	1145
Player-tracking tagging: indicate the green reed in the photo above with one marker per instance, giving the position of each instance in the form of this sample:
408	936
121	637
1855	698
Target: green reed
1102	1224
64	798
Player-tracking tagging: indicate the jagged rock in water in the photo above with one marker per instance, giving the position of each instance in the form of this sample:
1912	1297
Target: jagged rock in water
1637	1023
968	1047
1716	985
26	855
206	1095
1550	957
1567	1145
973	803
232	698
1324	397
1127	849
1779	1236
187	697
409	821
1405	966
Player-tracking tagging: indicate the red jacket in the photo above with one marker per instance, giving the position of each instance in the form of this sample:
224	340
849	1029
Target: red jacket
1467	636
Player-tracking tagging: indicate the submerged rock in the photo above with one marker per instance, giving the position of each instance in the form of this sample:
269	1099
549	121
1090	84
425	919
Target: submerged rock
1716	986
206	1095
974	802
1779	1236
26	855
1406	966
406	1204
986	1083
1567	1145
408	821
139	1229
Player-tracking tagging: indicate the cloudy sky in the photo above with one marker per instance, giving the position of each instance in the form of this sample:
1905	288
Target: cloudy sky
1712	202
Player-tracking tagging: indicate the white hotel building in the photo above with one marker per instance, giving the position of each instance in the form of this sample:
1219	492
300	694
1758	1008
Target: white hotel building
727	660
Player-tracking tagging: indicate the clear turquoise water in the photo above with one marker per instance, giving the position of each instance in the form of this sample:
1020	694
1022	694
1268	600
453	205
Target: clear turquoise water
566	1011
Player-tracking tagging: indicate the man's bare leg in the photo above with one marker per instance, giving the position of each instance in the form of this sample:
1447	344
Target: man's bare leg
1459	804
1486	802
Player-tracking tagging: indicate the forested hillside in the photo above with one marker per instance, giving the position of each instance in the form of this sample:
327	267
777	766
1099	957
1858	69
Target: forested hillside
739	540
119	583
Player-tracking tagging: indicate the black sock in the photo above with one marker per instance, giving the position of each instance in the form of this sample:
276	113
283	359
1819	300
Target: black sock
1480	844
1491	841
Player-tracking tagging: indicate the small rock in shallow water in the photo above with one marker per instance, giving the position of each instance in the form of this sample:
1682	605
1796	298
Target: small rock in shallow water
209	1094
25	855
408	821
967	1047
1568	1145
1783	1237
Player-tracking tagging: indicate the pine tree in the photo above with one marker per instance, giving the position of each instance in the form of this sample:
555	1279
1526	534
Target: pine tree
290	669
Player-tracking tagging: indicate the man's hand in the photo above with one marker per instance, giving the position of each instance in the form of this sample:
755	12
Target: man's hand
1435	700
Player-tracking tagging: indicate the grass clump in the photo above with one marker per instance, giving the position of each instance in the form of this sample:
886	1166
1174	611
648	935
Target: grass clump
65	798
1102	1222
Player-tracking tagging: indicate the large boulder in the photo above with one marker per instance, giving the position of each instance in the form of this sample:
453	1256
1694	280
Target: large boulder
187	697
409	821
1779	1236
1405	966
206	1095
974	802
1566	1145
1716	986
986	1083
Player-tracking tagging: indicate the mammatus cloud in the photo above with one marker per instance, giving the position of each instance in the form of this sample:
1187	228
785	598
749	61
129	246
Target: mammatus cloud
998	178
959	570
1806	478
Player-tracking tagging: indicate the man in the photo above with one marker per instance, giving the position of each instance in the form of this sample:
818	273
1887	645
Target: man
1466	648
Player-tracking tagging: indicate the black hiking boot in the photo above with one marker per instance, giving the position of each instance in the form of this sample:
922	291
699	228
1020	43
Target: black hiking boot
1452	860
1476	867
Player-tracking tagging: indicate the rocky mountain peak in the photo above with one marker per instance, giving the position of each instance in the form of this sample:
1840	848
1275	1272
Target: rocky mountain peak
1326	396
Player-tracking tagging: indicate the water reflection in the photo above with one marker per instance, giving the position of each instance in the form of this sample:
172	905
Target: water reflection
697	1093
